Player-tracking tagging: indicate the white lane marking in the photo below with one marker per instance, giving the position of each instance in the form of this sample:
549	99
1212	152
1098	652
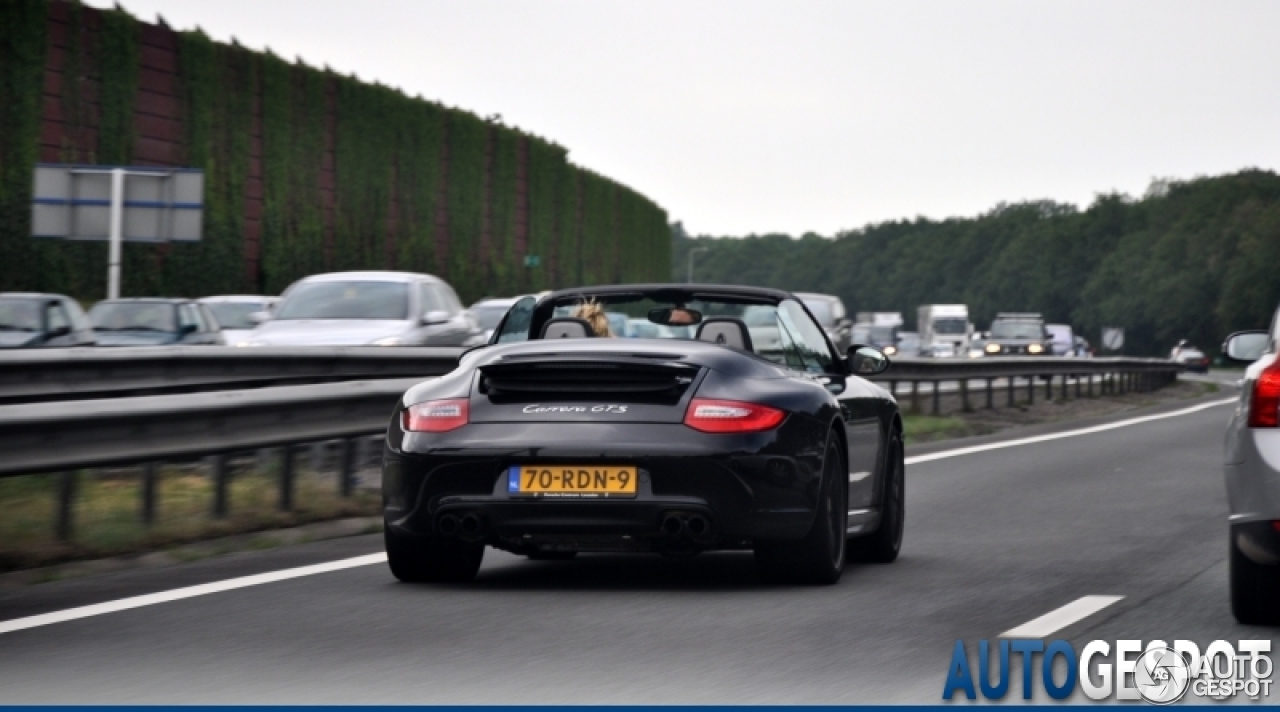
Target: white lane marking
178	594
1067	434
1056	620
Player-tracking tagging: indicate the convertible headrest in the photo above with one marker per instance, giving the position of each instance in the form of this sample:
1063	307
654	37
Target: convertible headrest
727	331
567	327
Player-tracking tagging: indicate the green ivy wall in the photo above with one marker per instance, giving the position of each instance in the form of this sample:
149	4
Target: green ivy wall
306	170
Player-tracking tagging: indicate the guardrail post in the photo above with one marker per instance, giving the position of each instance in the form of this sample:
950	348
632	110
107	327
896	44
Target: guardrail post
990	394
915	396
149	476
221	483
1062	392
937	393
1048	388
346	467
1008	390
964	395
1077	377
66	504
286	478
1031	390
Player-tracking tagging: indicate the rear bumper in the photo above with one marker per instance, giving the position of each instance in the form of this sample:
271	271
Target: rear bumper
746	487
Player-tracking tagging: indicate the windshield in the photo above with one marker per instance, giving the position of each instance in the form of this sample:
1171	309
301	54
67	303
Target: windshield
235	315
821	309
125	316
1017	330
791	338
949	326
19	315
488	315
346	300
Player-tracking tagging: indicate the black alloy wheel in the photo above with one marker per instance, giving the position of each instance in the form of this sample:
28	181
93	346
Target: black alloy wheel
818	558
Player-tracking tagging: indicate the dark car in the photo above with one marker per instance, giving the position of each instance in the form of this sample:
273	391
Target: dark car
550	441
1018	334
153	322
31	320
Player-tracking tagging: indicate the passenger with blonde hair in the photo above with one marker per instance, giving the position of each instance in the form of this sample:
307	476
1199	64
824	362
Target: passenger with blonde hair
593	313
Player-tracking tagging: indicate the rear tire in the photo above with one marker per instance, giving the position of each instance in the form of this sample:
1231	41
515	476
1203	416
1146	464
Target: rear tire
1255	589
432	559
818	558
882	545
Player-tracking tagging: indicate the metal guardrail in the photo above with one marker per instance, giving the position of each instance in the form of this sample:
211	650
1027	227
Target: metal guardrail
1112	375
39	375
50	437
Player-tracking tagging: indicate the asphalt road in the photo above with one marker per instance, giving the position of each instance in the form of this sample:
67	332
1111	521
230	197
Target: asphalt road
994	539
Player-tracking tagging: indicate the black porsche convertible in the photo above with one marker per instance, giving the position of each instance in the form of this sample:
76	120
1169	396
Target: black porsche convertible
650	418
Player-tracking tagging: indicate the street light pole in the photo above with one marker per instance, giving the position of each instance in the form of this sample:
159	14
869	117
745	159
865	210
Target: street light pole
115	233
693	252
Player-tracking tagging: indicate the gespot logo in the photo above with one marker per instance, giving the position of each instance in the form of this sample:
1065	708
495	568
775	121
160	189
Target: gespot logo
1157	673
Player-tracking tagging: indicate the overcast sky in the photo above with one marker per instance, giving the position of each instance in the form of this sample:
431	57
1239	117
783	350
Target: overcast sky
742	116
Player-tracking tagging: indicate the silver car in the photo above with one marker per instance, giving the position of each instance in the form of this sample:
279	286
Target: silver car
236	313
368	308
1253	478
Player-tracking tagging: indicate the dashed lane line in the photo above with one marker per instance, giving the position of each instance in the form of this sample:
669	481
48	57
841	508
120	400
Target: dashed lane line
1060	618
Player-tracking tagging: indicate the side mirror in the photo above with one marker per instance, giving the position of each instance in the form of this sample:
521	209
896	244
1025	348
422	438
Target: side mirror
866	360
434	317
259	316
1246	346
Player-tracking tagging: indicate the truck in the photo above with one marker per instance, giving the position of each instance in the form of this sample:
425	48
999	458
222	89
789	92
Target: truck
876	328
944	329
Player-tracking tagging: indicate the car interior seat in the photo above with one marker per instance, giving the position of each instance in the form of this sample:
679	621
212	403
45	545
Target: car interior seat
726	331
567	327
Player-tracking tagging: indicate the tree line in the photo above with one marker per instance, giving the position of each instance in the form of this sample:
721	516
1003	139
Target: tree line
1194	259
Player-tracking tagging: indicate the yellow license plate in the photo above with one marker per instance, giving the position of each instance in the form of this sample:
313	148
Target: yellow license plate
572	481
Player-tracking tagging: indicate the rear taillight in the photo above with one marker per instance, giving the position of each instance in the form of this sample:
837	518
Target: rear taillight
435	416
722	416
1264	406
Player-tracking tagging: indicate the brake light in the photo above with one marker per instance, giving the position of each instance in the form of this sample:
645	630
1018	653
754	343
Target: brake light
1264	406
435	416
723	416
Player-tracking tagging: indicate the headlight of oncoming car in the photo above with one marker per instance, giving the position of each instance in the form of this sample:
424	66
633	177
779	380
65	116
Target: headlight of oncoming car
1035	349
890	350
993	348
